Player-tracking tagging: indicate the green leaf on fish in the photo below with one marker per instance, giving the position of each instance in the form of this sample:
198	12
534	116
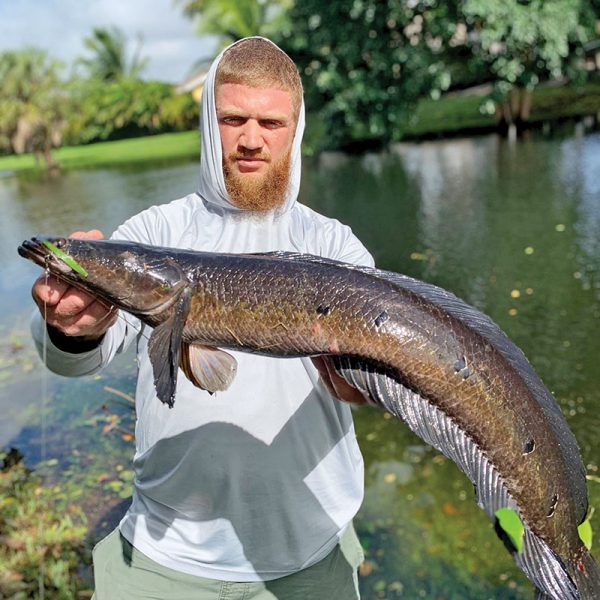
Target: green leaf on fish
511	524
585	531
65	258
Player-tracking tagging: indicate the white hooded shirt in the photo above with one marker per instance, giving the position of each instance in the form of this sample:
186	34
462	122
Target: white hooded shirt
258	481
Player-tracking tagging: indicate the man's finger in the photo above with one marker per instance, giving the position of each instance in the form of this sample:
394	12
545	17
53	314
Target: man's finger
73	302
93	234
93	322
319	363
49	290
96	320
337	385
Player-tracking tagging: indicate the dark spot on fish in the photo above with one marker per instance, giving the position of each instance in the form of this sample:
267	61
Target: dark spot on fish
323	310
382	318
529	447
460	364
553	505
460	368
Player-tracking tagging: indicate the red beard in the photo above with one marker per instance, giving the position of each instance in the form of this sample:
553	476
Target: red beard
258	194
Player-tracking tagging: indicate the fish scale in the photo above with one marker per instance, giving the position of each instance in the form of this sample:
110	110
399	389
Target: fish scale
415	350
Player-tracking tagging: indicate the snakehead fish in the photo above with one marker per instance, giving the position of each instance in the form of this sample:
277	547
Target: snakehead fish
413	349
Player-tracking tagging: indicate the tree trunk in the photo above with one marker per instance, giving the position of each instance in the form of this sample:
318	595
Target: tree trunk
515	111
526	100
50	162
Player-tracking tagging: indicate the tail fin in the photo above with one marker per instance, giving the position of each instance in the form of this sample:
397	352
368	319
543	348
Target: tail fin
547	571
586	576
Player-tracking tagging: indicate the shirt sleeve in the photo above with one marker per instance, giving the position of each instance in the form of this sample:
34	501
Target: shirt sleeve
116	341
142	228
352	250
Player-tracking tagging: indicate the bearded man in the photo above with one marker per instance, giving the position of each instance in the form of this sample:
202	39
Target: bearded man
251	492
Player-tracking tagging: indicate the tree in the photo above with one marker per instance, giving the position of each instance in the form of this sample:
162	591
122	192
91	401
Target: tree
128	108
524	43
232	20
109	61
364	65
33	103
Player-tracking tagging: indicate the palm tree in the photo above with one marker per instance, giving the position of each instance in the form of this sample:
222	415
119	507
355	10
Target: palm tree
109	61
235	19
33	104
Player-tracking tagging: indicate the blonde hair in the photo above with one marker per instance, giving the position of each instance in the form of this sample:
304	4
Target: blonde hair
256	62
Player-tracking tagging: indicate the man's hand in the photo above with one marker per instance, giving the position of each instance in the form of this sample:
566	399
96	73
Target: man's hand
70	311
335	384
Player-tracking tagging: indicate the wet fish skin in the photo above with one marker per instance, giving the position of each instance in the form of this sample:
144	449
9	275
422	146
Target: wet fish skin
421	344
422	339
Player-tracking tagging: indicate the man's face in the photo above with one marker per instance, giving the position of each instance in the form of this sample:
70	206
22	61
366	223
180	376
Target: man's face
257	129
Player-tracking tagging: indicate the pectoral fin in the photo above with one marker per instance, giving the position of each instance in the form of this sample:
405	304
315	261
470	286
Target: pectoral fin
208	368
164	349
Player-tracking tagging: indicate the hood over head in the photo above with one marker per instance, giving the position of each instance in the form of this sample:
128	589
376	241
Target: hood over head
212	183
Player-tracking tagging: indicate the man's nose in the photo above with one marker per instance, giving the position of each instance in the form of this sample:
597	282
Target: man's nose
251	136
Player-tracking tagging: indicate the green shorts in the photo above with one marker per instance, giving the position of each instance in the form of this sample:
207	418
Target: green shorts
123	573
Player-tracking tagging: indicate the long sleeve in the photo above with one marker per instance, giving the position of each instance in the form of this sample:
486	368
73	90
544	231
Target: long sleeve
352	251
116	341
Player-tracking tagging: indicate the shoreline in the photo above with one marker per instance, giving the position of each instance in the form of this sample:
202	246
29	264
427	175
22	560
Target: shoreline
452	116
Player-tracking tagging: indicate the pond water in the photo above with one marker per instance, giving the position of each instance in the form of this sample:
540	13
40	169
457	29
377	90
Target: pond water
514	229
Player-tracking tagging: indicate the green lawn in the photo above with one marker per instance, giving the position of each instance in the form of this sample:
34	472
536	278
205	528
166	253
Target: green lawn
448	115
156	147
462	113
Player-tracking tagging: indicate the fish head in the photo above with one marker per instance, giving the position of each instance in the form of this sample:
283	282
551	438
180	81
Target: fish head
140	279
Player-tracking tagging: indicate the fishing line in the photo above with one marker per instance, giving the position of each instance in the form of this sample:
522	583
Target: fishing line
43	433
43	404
139	331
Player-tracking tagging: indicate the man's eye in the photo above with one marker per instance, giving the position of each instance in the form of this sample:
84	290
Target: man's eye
232	120
271	124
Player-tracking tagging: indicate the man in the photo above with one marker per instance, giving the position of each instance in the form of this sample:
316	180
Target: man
248	493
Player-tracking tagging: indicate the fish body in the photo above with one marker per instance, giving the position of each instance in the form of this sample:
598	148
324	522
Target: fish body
414	349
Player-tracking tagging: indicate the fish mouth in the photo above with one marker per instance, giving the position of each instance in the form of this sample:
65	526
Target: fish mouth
36	250
51	254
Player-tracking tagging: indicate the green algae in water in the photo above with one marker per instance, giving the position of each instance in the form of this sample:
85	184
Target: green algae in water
71	262
511	524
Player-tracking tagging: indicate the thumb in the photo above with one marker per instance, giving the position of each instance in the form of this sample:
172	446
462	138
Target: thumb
93	234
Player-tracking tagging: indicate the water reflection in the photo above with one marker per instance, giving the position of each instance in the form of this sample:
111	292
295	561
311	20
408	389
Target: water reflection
507	228
512	229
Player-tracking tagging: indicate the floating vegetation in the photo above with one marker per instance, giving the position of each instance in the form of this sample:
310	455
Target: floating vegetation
41	541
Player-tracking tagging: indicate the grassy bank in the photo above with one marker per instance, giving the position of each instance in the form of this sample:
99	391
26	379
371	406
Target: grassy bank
455	114
167	146
433	118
